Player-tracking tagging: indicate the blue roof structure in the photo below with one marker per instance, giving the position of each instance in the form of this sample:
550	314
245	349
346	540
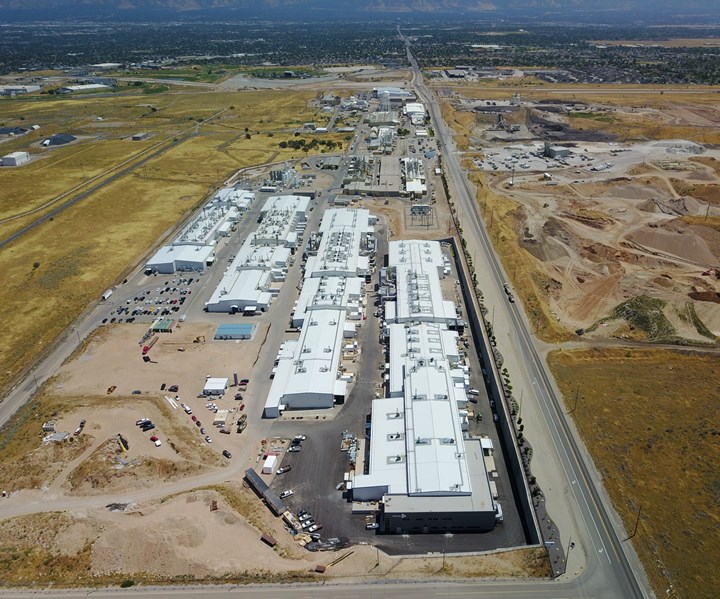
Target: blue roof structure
235	331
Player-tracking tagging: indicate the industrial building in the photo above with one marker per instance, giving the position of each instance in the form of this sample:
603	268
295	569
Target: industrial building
555	151
413	177
376	176
18	90
384	118
393	96
246	283
412	284
194	248
381	140
181	258
330	293
428	474
15	159
309	373
263	259
85	87
415	111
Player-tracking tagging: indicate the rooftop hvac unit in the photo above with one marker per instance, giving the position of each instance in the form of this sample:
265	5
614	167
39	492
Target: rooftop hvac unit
448	441
306	350
302	369
327	350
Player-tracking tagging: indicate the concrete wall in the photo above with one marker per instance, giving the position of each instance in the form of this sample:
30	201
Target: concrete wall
508	444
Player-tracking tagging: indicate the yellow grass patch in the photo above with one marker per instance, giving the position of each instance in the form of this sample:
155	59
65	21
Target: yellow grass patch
54	272
649	420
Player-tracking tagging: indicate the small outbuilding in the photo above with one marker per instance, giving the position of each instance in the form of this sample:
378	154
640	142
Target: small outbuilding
269	464
215	386
15	158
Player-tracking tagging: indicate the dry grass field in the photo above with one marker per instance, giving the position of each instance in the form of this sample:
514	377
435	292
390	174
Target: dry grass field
649	419
55	271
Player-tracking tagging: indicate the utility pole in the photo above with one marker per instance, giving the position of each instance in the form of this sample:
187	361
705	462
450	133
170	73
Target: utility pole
577	393
637	521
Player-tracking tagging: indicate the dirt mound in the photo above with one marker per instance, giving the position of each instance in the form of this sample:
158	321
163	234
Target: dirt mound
709	193
680	242
639	191
550	130
551	242
705	296
674	206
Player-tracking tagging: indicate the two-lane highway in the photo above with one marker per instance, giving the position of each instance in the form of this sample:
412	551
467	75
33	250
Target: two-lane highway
612	569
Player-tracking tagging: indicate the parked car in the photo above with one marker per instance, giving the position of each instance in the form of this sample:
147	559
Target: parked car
194	418
202	431
173	388
242	407
473	392
472	399
148	426
372	526
305	517
294	448
198	424
208	438
153	438
142	421
308	523
284	469
135	391
285	494
227	454
314	527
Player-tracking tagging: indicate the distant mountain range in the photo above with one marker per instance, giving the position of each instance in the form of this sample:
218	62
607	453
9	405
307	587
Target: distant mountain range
336	8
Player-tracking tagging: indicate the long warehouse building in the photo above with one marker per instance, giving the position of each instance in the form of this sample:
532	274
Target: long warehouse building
428	473
309	373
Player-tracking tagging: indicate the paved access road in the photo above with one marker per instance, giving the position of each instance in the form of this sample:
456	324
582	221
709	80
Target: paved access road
611	568
447	590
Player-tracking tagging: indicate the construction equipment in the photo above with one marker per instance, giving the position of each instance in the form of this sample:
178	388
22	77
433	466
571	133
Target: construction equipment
199	339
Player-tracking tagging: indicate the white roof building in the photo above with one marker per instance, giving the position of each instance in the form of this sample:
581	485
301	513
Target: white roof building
414	108
417	267
429	477
413	172
181	258
84	87
339	252
239	198
329	293
15	158
247	280
307	375
281	215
